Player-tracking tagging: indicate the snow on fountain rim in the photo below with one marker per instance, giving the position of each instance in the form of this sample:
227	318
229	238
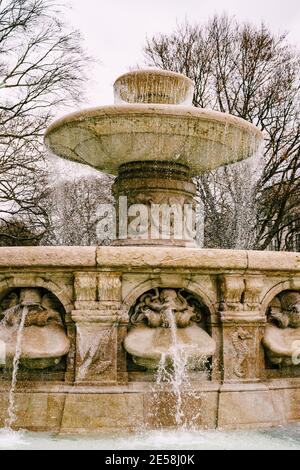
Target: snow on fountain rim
228	138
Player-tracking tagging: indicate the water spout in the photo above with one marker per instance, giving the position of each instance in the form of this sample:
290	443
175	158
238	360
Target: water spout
11	414
173	371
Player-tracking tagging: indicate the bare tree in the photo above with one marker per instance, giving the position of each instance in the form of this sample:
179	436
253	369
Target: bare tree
73	207
41	68
228	195
249	72
16	233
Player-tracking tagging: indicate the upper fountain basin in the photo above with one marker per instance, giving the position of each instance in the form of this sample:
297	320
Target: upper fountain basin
110	136
154	86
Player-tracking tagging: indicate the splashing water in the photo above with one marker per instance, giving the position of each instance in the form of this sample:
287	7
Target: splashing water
173	372
11	415
279	438
10	439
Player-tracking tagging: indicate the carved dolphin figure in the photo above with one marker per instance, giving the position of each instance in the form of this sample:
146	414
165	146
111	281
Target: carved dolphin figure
44	341
282	334
155	317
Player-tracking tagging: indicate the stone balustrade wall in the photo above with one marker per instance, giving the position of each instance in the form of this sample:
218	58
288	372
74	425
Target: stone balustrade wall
98	286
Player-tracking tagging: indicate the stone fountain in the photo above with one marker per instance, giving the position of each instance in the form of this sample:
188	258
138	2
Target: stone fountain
155	141
101	321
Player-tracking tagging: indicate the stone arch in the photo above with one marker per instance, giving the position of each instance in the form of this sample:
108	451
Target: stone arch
182	283
204	304
13	282
282	286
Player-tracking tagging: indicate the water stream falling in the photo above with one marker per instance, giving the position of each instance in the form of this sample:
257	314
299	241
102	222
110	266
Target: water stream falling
173	372
11	415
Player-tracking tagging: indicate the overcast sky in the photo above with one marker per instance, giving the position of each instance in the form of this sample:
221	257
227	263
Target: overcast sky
115	30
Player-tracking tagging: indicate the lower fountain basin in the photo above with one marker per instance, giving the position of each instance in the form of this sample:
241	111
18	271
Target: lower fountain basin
110	136
277	438
148	345
42	347
281	344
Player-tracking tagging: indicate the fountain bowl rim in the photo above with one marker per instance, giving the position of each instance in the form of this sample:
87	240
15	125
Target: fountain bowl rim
185	115
170	110
155	72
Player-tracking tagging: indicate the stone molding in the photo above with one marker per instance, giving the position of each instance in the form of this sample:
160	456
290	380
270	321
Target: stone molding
99	316
149	257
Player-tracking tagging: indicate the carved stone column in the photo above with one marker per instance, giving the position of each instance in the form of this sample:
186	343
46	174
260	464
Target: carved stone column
85	285
158	198
110	298
98	317
242	327
71	358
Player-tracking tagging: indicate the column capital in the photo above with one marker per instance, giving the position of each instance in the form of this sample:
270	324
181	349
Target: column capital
113	316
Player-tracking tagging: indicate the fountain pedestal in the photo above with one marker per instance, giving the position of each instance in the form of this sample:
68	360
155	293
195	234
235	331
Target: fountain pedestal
155	141
155	204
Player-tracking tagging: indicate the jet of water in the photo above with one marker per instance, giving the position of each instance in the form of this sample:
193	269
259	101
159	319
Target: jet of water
11	414
173	369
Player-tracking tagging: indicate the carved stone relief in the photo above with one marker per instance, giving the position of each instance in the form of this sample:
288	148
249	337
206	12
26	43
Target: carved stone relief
164	318
44	340
282	334
94	347
239	339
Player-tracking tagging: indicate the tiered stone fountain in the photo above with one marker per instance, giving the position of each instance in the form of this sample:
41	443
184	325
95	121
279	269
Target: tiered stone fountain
102	321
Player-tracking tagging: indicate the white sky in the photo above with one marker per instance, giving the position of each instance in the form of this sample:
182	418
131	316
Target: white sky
115	30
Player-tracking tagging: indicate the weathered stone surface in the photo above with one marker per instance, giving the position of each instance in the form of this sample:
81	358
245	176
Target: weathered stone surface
88	410
282	344
107	292
50	256
253	291
273	261
282	334
255	407
157	86
147	345
35	411
44	340
110	287
161	196
241	353
232	289
96	353
98	287
85	285
147	258
104	137
291	400
98	412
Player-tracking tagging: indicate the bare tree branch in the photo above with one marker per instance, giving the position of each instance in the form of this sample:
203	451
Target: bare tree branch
41	67
249	72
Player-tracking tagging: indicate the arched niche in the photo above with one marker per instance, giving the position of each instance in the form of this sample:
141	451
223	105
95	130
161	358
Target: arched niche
193	288
287	285
196	300
45	342
12	297
14	282
281	340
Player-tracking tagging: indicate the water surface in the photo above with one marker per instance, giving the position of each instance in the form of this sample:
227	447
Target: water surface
280	438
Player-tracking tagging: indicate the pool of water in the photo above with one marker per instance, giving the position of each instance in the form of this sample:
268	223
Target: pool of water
280	438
